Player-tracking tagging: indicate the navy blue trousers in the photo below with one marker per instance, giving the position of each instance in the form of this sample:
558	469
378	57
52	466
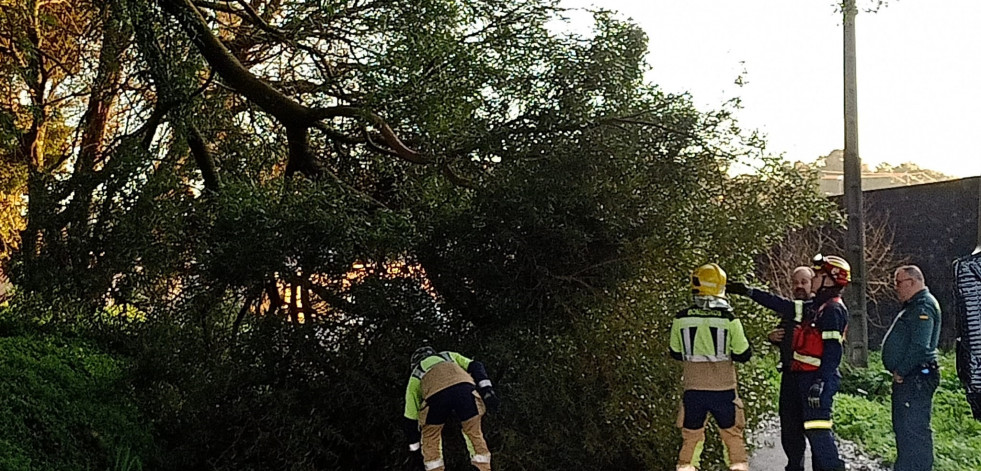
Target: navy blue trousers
698	404
791	422
817	421
455	400
911	404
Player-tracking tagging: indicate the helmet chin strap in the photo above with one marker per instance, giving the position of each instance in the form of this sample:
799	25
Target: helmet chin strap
826	292
824	283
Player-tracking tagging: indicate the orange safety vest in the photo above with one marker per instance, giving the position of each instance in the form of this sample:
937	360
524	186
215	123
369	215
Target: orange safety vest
809	342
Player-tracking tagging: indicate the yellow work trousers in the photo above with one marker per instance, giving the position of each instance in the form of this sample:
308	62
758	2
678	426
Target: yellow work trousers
692	439
432	440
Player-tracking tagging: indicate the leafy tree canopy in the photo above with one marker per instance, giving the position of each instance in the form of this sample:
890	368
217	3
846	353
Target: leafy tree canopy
285	197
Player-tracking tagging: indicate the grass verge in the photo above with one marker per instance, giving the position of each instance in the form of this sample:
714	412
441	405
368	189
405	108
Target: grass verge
863	415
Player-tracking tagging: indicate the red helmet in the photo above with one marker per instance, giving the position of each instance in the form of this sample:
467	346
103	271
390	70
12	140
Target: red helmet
836	267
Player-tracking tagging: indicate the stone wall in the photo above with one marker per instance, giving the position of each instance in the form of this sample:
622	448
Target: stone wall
934	224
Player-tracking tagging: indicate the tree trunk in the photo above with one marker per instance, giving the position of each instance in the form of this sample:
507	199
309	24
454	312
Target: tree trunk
95	122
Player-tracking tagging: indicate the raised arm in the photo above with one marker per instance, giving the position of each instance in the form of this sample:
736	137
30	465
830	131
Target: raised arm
787	308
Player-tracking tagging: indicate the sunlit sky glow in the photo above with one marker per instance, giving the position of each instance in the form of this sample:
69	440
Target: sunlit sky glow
919	72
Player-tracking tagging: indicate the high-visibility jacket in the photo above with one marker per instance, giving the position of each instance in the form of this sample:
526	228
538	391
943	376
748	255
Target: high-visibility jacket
438	372
434	374
707	340
829	319
809	338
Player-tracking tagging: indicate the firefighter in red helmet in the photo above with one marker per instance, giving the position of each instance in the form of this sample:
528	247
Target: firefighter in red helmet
819	331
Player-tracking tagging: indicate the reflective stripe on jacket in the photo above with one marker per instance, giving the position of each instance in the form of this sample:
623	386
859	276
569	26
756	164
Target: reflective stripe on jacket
707	341
434	374
809	340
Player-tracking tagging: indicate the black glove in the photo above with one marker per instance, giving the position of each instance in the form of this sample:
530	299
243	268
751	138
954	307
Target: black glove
814	394
737	288
414	460
491	400
412	433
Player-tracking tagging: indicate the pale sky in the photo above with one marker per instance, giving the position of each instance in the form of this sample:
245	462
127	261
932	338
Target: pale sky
919	72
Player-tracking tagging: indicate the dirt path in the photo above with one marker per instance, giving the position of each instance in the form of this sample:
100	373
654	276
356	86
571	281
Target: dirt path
768	455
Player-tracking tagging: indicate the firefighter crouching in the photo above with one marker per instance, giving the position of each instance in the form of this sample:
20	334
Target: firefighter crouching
445	384
817	351
707	338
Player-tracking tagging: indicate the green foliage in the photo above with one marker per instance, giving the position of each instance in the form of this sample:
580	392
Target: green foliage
873	383
124	460
867	420
867	423
65	406
575	254
288	396
13	177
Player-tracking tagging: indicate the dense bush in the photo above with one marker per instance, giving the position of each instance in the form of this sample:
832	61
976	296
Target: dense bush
552	235
289	396
65	406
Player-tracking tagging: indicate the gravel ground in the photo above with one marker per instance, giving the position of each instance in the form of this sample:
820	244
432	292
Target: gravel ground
768	455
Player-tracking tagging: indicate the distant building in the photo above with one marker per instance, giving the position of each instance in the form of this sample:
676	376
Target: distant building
831	179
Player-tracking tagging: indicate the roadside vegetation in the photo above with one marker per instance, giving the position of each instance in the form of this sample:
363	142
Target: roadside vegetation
863	416
227	225
66	405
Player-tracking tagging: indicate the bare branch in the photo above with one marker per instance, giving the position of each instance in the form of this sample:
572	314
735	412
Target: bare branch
337	136
377	147
204	159
296	117
231	70
399	149
455	178
257	20
217	6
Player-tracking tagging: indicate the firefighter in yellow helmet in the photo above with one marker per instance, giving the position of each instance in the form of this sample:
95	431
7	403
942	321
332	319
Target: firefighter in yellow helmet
445	384
707	337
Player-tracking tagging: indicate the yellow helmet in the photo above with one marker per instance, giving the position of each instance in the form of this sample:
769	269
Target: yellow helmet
708	280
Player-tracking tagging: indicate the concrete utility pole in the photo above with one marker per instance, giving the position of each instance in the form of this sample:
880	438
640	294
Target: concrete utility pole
858	333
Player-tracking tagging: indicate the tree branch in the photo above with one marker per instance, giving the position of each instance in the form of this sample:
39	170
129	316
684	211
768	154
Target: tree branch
217	6
400	149
455	178
300	158
234	74
338	136
237	324
641	122
296	117
204	159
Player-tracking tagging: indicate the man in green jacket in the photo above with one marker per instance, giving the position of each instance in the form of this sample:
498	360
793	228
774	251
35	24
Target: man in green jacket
909	352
